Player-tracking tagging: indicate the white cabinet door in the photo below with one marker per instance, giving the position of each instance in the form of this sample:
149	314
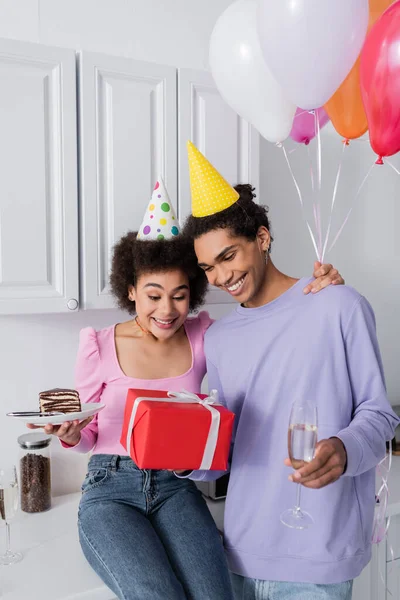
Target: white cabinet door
371	584
393	539
38	199
128	136
228	141
393	580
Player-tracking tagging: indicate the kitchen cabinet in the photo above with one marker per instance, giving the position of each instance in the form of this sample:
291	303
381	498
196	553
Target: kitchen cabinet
128	136
227	140
122	154
125	123
39	192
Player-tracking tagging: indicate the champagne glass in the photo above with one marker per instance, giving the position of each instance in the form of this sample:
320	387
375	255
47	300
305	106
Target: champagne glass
8	509
302	439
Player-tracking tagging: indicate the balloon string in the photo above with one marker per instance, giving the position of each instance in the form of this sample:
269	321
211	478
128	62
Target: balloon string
335	189
319	180
319	221
380	528
301	201
351	208
392	166
319	150
313	192
311	171
303	112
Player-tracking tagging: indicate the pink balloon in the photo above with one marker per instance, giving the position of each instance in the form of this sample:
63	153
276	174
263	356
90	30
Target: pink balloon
303	130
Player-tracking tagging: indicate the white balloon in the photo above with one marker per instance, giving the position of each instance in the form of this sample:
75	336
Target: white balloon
311	45
242	77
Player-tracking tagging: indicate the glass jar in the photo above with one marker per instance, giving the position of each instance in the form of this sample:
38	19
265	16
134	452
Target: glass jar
34	472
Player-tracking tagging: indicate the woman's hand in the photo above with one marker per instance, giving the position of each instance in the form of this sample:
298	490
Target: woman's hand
324	275
69	432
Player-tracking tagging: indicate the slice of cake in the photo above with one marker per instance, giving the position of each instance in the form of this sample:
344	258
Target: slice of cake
60	400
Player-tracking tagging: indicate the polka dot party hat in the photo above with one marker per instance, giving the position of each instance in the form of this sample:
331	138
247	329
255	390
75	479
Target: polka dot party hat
160	221
210	192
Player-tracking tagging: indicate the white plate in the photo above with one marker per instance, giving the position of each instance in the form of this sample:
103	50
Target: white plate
89	410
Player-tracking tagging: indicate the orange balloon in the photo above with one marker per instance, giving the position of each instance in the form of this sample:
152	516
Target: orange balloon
376	8
345	108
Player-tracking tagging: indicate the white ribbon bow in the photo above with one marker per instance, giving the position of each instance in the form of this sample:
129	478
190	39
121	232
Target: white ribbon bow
188	398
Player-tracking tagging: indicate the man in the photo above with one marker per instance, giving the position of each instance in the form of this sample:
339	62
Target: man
276	347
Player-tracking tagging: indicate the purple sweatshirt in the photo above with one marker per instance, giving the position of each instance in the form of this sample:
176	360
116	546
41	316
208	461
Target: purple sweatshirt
322	348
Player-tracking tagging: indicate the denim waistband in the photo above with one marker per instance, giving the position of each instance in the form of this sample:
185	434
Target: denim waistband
112	461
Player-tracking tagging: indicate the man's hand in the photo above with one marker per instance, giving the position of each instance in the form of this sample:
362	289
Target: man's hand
327	466
324	275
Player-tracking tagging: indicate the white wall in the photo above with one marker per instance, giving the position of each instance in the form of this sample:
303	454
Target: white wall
173	32
368	253
38	352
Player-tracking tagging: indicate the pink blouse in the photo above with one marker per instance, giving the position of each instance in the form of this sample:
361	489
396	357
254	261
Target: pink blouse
99	378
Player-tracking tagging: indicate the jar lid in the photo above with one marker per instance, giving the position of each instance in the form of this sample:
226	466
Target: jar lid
34	440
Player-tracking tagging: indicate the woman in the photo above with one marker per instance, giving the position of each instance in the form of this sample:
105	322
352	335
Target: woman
148	534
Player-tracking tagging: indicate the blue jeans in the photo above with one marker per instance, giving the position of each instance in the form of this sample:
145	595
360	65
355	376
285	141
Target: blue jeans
150	535
256	589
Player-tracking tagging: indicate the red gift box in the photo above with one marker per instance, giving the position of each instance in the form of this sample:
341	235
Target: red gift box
176	430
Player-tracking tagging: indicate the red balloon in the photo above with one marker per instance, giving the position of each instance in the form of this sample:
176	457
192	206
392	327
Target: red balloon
380	82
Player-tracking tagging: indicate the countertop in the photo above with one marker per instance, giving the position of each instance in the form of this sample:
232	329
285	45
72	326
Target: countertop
53	566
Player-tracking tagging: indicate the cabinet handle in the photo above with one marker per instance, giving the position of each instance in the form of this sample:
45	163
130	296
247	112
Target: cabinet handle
72	304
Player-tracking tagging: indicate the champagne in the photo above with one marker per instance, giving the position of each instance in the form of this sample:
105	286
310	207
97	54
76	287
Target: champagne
302	439
8	502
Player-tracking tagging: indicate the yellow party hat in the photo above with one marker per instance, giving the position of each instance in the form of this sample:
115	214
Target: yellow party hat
210	192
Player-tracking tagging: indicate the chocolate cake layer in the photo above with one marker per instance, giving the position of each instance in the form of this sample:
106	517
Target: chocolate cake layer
59	399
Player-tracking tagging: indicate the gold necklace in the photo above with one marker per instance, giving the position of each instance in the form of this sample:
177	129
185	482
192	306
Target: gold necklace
140	327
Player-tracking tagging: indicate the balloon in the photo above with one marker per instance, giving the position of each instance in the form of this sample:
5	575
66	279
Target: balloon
311	45
242	77
345	108
380	82
303	130
377	8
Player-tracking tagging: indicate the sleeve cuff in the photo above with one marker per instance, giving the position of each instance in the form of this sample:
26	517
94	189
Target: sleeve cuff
354	452
82	446
68	446
193	475
184	475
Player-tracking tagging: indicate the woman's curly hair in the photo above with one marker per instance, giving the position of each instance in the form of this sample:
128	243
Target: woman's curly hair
133	257
243	218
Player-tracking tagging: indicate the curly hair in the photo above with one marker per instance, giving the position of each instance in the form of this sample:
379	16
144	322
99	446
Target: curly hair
133	257
243	218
